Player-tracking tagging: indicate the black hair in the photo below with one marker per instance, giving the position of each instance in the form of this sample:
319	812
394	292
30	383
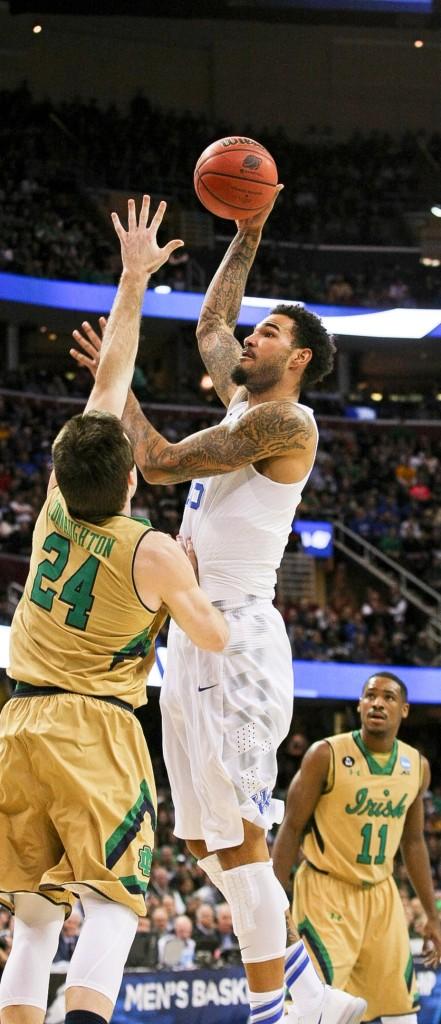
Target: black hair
310	333
394	678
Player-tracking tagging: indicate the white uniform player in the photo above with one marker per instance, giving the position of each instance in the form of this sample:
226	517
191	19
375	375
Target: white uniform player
225	716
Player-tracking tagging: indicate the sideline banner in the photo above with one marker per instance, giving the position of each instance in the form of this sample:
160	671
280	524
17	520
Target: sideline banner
170	997
201	996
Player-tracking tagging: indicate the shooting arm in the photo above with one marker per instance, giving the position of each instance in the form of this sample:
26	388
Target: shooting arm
304	793
218	347
266	430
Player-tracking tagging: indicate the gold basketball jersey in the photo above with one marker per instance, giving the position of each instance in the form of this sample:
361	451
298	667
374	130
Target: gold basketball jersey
358	822
80	624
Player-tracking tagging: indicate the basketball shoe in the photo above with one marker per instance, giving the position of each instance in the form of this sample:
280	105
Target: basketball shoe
337	1008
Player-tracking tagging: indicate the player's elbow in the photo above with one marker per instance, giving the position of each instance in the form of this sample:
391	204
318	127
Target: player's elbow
153	475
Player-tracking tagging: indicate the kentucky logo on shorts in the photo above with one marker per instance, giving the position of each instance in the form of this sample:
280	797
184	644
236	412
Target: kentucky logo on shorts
145	860
262	799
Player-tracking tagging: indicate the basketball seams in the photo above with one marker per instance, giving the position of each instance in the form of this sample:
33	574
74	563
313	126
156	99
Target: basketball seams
223	202
236	177
265	155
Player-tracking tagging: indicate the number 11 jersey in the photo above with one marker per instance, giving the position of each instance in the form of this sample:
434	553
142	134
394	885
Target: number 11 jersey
358	822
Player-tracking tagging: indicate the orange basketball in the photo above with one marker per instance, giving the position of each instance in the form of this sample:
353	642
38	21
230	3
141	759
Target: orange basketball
235	177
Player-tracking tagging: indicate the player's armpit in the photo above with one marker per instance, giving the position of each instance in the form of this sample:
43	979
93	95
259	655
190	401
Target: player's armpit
164	575
263	432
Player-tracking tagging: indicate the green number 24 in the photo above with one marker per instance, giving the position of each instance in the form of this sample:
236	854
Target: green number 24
77	590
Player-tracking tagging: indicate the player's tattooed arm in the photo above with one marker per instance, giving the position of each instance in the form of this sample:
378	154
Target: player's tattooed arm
218	347
264	432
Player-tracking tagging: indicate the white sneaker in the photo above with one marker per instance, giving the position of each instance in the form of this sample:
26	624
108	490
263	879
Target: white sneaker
337	1008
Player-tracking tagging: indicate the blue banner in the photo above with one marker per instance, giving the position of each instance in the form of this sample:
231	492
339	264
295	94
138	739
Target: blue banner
218	996
429	987
190	997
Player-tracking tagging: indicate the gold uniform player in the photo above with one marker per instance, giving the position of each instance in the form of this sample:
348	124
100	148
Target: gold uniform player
355	800
77	795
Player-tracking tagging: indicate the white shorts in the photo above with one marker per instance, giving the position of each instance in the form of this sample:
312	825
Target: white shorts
224	716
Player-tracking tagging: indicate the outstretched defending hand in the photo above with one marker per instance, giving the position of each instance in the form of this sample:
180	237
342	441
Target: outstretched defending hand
140	251
90	343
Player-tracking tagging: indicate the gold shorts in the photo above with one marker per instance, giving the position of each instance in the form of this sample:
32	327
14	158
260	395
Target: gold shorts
358	939
77	801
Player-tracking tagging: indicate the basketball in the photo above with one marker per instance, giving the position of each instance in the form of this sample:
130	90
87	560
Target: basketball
235	177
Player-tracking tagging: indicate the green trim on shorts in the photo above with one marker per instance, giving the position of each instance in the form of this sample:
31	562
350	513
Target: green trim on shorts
134	884
408	973
307	930
124	834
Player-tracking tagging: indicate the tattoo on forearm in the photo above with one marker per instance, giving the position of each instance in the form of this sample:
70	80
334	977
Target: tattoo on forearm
225	293
219	348
268	430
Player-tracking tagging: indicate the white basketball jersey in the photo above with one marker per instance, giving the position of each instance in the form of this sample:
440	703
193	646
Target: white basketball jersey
239	524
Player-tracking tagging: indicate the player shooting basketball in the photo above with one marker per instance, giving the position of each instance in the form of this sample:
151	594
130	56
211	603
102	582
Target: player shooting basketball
225	716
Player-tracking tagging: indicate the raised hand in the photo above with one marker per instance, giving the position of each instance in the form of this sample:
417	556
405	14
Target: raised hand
90	342
256	221
140	251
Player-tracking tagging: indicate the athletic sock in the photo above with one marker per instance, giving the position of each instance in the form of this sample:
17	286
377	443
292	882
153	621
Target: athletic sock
267	1007
301	978
83	1017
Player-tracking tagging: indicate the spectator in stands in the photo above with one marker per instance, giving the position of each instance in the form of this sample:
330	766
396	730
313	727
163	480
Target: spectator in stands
224	925
69	936
205	933
182	930
160	922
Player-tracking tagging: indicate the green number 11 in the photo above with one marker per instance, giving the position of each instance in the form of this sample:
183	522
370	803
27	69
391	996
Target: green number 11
364	857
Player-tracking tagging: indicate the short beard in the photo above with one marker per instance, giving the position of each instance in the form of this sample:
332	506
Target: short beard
239	375
257	384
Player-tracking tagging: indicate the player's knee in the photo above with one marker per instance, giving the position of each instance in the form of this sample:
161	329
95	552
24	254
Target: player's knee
103	947
258	904
37	928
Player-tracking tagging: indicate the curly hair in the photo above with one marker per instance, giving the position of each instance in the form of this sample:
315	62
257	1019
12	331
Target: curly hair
310	333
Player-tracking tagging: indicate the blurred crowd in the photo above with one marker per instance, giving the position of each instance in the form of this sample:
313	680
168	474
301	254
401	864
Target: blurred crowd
54	220
384	487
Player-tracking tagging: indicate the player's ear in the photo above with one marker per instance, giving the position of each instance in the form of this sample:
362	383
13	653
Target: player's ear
300	357
359	707
405	711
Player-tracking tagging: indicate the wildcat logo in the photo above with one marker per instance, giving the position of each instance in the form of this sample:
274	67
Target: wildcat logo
251	162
